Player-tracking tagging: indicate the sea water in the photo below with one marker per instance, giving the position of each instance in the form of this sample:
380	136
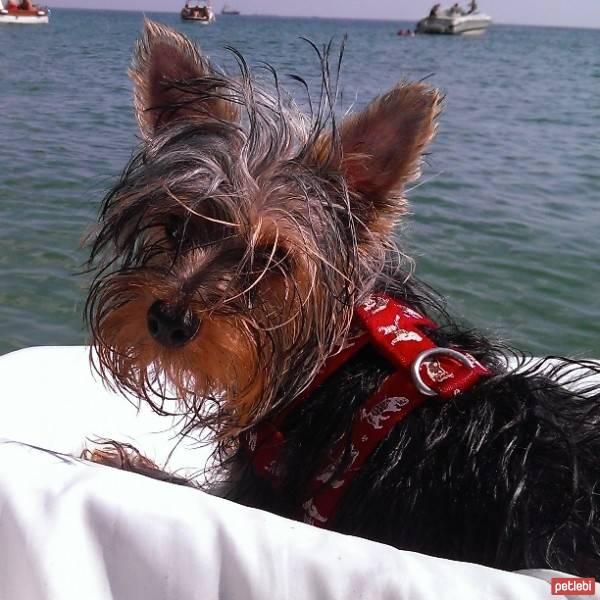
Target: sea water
505	221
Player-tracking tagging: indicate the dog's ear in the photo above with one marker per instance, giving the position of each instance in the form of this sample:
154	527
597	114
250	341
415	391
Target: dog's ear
173	81
380	150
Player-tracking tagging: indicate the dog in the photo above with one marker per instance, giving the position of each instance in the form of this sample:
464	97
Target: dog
246	271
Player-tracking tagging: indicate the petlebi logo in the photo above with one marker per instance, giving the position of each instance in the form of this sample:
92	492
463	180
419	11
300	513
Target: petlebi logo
573	586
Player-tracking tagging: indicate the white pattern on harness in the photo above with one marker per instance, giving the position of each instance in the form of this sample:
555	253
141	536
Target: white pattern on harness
326	475
436	372
375	305
380	411
409	312
400	335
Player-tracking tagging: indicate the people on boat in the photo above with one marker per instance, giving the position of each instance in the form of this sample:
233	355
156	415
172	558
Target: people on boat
23	5
456	9
435	10
473	8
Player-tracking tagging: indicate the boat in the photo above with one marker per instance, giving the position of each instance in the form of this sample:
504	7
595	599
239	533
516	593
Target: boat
227	10
203	13
454	21
24	13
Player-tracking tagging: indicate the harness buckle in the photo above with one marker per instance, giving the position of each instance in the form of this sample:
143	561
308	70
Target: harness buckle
423	356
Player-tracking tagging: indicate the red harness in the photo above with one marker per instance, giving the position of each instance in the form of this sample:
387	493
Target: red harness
422	369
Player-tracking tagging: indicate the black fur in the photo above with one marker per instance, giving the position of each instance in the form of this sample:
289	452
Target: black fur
507	475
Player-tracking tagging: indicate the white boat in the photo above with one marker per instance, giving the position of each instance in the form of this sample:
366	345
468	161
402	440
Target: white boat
453	23
25	13
202	13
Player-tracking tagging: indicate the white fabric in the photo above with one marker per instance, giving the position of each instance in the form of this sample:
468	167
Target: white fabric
57	402
71	530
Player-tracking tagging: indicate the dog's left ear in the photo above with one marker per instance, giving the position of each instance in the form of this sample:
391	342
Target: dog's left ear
380	150
174	82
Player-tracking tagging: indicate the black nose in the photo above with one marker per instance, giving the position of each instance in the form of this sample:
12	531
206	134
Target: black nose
170	326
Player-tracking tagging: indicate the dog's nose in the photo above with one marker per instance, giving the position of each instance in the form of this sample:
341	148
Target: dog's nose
170	326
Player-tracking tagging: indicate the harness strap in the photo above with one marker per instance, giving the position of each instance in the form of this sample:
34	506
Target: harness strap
422	369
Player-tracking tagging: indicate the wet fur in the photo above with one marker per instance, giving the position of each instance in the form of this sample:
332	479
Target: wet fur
271	226
507	475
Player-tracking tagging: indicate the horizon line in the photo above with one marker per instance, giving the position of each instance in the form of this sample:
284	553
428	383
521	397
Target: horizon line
380	19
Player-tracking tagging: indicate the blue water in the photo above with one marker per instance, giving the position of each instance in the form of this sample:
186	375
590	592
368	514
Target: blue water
506	221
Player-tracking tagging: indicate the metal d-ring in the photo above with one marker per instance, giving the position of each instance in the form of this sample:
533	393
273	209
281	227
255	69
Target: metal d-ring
416	367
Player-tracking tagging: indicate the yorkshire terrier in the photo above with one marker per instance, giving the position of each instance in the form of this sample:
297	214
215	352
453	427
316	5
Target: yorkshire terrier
246	268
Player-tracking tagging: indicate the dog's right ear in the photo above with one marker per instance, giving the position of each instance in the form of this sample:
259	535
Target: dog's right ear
174	82
379	151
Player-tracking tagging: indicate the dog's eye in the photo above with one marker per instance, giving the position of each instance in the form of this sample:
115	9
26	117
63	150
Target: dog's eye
174	228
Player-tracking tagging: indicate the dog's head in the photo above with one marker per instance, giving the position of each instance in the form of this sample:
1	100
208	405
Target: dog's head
230	254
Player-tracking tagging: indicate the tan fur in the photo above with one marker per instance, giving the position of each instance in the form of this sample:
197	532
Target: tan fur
220	362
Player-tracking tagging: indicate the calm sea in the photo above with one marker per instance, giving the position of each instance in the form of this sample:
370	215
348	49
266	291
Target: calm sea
505	223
